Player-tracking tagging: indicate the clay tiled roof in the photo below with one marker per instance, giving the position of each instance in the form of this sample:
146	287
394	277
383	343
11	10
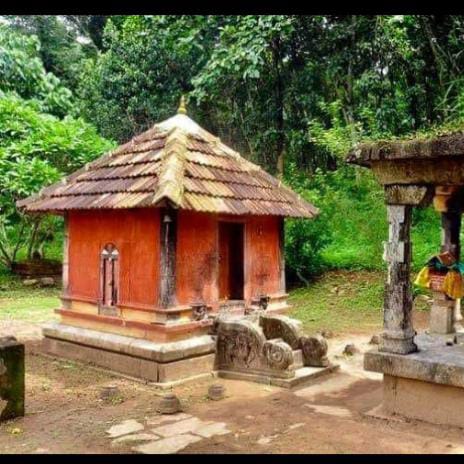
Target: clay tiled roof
176	162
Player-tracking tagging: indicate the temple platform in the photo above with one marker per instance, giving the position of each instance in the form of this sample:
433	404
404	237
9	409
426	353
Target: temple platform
160	363
426	385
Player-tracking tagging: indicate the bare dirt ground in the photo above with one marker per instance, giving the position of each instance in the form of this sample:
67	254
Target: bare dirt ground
66	415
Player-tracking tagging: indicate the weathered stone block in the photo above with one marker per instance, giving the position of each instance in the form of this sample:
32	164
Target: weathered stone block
185	368
289	330
314	351
12	380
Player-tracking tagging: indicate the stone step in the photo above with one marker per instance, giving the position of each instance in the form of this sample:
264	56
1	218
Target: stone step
303	375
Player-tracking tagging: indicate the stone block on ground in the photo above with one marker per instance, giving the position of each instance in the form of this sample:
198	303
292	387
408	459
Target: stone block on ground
47	282
351	349
12	378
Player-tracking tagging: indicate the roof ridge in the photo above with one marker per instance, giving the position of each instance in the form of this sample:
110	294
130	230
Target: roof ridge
171	176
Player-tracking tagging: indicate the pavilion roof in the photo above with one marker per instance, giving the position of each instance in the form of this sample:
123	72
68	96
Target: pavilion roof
439	147
176	163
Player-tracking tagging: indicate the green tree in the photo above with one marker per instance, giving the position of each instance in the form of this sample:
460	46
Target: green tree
36	149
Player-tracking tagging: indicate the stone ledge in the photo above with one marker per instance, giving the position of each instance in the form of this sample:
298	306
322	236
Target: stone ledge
435	362
159	352
302	376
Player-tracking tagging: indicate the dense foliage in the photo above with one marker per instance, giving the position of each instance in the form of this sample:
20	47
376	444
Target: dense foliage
39	142
292	93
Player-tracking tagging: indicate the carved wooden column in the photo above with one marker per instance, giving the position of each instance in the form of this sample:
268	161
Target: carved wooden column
168	237
65	267
282	254
398	335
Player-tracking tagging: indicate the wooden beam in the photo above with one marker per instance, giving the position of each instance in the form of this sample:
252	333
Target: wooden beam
168	245
398	335
414	195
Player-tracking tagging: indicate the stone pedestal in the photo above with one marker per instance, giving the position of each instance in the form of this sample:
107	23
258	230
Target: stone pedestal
427	385
457	322
11	378
442	314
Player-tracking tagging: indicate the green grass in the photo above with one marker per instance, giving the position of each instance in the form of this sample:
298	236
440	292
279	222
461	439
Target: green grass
342	301
20	302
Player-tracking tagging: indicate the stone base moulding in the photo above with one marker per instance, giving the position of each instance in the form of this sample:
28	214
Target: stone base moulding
413	398
432	376
155	362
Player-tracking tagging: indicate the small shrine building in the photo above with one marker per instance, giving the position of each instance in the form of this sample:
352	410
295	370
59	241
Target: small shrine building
162	234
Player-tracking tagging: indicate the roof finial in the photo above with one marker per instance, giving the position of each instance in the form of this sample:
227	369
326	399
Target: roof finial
182	106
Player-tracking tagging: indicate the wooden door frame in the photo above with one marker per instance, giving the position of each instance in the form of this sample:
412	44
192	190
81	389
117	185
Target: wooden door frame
240	220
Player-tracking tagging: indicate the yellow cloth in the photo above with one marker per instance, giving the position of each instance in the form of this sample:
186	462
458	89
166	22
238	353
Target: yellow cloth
453	285
423	278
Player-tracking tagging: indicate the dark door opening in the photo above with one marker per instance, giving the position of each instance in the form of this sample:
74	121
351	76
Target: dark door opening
231	262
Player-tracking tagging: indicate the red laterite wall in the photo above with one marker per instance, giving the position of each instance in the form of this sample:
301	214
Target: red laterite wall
262	274
196	267
135	233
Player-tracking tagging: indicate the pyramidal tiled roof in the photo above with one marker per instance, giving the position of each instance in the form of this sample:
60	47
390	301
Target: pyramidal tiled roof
176	163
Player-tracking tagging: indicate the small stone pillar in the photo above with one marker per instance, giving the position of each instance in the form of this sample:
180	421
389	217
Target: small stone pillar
11	378
443	315
398	335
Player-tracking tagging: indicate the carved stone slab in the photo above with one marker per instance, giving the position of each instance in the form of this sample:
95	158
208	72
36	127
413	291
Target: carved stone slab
242	346
284	327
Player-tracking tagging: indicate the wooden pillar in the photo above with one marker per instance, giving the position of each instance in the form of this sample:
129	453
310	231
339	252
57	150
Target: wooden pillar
65	267
450	230
445	314
168	237
398	335
282	254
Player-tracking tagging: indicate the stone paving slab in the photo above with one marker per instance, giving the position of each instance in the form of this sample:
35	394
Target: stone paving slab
125	428
134	438
210	430
180	427
168	445
166	419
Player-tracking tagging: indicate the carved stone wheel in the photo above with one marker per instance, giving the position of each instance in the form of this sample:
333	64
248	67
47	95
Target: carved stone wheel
278	354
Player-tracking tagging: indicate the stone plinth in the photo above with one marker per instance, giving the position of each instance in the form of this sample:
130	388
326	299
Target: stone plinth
11	378
161	363
442	314
432	376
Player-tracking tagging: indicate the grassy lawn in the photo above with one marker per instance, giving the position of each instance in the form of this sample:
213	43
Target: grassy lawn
340	301
30	304
343	301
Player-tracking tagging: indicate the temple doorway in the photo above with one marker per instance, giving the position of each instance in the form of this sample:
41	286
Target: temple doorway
231	261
